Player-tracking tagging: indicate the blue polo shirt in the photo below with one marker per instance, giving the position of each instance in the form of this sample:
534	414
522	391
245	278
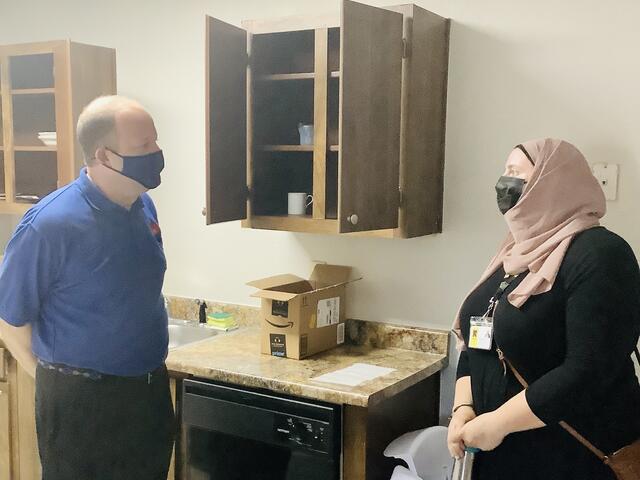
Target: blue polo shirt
87	275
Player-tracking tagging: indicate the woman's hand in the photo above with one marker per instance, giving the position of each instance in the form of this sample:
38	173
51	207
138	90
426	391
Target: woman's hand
454	435
484	432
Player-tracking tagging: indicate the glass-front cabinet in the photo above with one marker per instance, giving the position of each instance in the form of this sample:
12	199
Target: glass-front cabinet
43	88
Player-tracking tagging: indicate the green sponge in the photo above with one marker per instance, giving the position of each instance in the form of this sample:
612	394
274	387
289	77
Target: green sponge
221	320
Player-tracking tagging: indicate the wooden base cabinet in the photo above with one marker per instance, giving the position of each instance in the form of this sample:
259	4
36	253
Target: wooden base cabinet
19	458
368	431
5	431
372	84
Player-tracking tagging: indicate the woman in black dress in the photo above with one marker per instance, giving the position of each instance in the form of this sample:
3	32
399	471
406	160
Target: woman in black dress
567	319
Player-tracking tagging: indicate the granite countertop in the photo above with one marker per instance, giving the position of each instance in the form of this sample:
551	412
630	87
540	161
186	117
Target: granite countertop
235	357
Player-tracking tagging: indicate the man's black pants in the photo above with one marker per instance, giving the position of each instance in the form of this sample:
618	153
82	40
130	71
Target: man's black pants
112	428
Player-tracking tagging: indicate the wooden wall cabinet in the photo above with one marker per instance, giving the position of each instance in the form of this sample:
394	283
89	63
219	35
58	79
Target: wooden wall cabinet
373	83
43	88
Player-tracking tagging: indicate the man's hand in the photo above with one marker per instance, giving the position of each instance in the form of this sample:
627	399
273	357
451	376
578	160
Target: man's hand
454	436
484	432
18	341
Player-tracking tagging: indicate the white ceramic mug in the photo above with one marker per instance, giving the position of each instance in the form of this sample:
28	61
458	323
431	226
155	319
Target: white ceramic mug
299	202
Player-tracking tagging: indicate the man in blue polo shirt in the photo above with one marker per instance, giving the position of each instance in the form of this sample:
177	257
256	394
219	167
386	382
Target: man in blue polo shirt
80	297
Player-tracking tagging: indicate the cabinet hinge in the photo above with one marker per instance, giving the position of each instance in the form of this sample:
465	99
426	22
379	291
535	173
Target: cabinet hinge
405	48
400	198
248	192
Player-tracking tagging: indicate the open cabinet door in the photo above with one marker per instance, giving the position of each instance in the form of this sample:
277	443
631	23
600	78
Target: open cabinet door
370	90
226	97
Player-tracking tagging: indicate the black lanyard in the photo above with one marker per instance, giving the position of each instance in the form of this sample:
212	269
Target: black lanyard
506	281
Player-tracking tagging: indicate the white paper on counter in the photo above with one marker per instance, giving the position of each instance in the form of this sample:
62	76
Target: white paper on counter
354	375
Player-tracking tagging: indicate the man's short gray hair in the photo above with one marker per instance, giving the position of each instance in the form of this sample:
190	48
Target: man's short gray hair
97	124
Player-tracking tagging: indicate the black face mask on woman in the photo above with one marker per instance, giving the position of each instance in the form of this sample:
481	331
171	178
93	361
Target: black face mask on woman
509	190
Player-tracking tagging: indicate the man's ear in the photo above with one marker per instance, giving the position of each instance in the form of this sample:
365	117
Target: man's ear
101	156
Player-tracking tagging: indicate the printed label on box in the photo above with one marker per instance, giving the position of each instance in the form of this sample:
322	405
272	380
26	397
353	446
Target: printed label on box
278	343
328	312
280	309
340	333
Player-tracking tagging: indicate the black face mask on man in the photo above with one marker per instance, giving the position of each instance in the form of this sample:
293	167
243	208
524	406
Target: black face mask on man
509	190
144	169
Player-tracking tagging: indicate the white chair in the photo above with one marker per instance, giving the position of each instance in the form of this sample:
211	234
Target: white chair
402	473
425	453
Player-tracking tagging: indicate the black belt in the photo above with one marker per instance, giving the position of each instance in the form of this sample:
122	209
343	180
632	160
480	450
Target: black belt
93	375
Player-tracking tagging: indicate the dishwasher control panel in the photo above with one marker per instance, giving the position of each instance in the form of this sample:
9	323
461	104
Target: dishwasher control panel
304	432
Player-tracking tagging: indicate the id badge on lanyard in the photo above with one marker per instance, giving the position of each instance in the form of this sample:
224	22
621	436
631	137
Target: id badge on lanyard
481	332
481	328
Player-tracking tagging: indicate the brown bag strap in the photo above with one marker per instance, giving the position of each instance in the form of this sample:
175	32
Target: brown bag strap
596	451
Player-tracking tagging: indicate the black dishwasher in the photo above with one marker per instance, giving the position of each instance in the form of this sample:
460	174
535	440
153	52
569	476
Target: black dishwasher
237	433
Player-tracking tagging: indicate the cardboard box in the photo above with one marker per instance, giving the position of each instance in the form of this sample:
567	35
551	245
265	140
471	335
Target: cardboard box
303	317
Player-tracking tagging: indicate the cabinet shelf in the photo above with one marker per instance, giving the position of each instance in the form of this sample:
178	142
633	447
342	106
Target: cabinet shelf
297	223
294	148
32	91
39	148
13	208
292	76
287	76
287	148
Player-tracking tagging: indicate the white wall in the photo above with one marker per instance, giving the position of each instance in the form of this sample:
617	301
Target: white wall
7	226
518	70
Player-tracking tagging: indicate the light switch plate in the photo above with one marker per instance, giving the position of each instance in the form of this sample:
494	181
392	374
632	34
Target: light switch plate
607	175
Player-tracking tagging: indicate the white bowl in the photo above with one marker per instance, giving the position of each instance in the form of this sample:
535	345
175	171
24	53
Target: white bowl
49	142
50	135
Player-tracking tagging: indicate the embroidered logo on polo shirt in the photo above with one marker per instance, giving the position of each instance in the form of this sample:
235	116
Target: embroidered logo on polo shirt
155	230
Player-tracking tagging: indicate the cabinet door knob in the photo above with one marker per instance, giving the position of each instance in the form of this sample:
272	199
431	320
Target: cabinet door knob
353	219
204	211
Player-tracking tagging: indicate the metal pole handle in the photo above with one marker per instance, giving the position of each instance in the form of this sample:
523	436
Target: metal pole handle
463	467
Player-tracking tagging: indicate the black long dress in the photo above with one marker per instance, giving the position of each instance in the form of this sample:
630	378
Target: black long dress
573	345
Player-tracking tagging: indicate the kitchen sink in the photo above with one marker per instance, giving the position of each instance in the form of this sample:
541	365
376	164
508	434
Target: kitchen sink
183	332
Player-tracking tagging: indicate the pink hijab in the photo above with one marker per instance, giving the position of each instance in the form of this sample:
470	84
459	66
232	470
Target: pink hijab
562	198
